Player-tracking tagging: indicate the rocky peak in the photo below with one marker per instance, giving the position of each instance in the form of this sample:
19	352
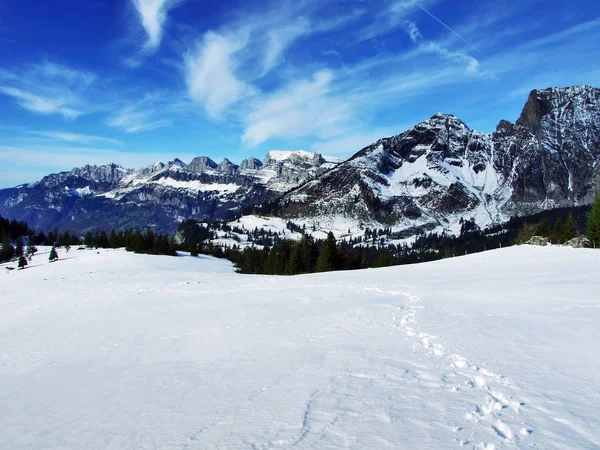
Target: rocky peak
505	127
536	107
251	163
151	169
200	164
227	166
560	104
176	163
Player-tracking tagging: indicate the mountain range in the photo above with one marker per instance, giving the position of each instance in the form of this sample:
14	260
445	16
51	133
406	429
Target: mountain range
432	176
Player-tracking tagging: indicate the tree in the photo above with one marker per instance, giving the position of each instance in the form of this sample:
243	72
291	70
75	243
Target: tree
113	239
19	247
88	239
593	223
22	262
558	232
53	255
524	235
8	251
542	228
328	258
31	249
384	259
570	230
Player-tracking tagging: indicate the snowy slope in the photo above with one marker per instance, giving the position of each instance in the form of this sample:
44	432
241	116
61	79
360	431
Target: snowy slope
116	350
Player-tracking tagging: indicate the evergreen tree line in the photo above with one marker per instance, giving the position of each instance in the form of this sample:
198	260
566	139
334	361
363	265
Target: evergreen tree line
135	240
307	255
279	256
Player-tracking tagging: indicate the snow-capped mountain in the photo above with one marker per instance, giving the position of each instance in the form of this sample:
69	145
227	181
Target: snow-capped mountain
439	171
160	194
432	176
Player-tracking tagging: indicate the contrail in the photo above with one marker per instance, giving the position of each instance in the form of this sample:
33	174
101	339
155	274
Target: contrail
450	29
7	40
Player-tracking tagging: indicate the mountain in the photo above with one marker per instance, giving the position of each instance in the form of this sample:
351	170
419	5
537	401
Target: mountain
159	195
439	172
434	176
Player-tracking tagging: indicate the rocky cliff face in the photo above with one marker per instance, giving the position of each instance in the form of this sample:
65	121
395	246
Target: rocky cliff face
439	172
160	194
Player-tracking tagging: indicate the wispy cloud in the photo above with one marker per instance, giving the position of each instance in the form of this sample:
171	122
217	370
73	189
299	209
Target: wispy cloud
76	137
136	121
279	40
210	73
224	72
303	108
47	88
153	16
39	104
149	112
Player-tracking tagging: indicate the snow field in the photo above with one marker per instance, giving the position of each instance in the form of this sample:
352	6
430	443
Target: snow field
108	349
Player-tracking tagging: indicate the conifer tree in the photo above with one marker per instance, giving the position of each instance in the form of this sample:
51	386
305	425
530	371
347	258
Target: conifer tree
113	239
328	258
53	254
593	223
570	232
524	234
558	232
88	240
542	228
31	249
19	247
7	251
384	258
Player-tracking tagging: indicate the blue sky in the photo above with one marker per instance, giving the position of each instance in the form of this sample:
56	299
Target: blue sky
135	81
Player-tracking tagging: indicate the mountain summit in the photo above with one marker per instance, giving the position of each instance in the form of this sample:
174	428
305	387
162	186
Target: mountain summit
440	172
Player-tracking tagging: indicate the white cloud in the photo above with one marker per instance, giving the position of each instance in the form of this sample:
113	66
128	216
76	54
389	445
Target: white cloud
136	121
49	88
40	104
437	48
52	71
303	108
210	73
75	137
280	39
153	16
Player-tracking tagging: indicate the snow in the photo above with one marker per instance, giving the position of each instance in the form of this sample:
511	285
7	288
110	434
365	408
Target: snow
79	192
195	185
110	349
282	155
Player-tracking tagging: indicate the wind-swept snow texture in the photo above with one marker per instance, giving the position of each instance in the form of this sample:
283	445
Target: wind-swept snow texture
496	350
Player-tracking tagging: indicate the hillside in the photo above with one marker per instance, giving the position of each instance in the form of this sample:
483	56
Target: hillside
110	349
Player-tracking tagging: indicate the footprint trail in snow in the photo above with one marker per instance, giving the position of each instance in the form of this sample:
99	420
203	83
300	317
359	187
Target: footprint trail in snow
495	412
